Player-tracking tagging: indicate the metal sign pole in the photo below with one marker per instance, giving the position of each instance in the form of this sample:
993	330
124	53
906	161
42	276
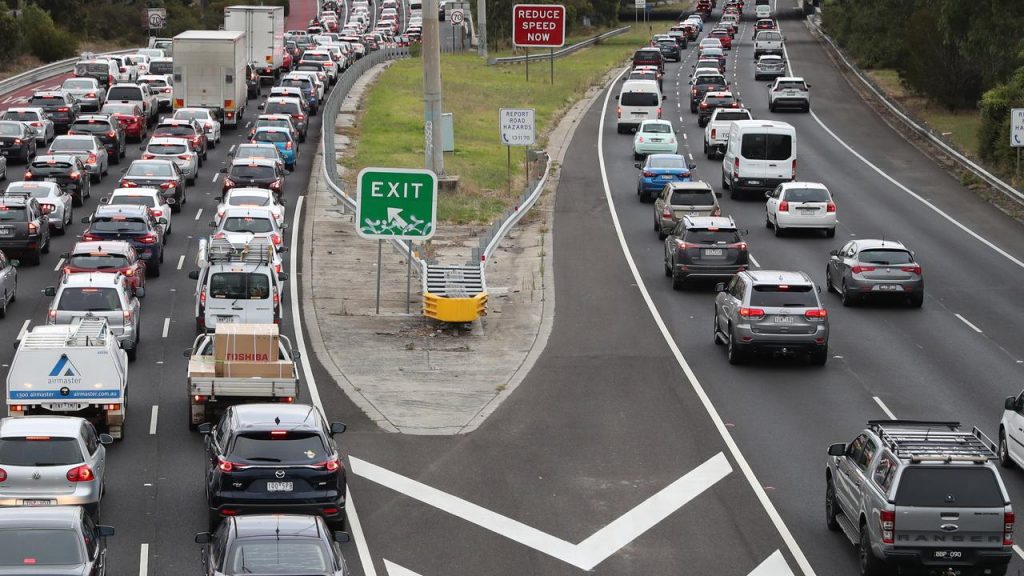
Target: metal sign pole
408	278
508	166
380	246
527	64
526	162
552	53
1018	164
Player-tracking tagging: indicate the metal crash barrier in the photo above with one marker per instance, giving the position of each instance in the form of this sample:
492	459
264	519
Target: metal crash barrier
454	293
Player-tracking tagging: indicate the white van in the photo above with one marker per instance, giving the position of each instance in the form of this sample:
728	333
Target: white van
238	282
760	155
639	100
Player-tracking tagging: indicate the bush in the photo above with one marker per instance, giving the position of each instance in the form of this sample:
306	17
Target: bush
44	39
994	133
11	39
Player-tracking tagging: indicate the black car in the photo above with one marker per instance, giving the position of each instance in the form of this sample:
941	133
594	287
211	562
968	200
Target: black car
24	228
52	541
255	173
703	84
58	106
706	247
64	169
163	175
266	458
105	128
713	101
670	50
649	57
133	224
17	141
279	544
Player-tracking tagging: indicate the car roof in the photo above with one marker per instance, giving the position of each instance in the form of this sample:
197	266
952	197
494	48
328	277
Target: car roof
109	246
124	209
276	415
721	222
249	211
274	525
48	93
779	277
791	79
280	129
56	157
254	161
40	426
139	191
153	160
658	121
718	94
251	190
41	516
167	140
93	117
872	243
65	137
101	279
35	109
694	185
51	186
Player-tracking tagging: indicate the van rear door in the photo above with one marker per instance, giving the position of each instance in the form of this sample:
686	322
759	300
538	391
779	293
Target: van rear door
240	294
766	155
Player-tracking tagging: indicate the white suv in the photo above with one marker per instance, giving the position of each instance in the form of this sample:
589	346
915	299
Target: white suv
791	92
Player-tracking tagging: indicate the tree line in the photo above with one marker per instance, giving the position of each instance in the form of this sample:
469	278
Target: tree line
961	54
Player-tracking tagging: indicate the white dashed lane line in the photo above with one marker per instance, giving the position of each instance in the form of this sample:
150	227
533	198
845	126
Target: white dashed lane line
968	322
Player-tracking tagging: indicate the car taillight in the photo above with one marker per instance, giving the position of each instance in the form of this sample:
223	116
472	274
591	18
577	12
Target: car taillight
46	208
736	166
17	141
717	211
32	228
649	174
111	134
1009	518
27	176
751	313
288	146
228	182
156	212
148	156
183	156
51	316
81	474
276	239
618	111
332	465
640	139
148	239
741	246
299	116
110	79
127	315
816	313
703	105
129	272
915	269
202	297
127	184
858	269
659	112
62	109
713	132
169	184
693	92
784	206
830	207
90	95
37	124
224	465
277	298
276	184
887	521
89	237
3	473
794	168
75	175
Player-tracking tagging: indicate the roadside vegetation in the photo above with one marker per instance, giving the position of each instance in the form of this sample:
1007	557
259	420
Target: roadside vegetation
956	64
390	133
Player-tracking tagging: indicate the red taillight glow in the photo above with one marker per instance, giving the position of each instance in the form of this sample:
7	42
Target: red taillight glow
75	175
276	239
618	111
816	313
887	521
751	313
148	156
1009	518
784	206
81	474
794	168
332	465
713	132
3	473
89	237
225	466
32	228
149	239
169	184
202	297
649	174
830	207
127	315
156	212
858	269
288	146
915	269
183	156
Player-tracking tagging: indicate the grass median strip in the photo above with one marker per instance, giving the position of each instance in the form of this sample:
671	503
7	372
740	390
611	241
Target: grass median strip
390	132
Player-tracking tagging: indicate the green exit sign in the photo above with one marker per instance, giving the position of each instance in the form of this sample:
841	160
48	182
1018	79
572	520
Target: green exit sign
396	203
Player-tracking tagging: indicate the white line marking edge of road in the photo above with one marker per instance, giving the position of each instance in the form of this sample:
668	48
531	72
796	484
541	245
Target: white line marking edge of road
884	408
730	443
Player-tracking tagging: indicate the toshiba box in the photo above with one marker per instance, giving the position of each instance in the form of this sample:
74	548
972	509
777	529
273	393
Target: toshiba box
245	343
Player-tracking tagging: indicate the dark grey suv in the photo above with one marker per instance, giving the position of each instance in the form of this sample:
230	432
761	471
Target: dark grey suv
771	311
704	247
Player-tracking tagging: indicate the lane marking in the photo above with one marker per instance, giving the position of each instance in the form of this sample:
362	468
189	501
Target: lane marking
24	328
774	565
357	532
1018	551
232	149
181	261
727	438
215	176
966	321
753	260
594	549
59	264
167	326
152	419
144	560
884	408
293	285
199	214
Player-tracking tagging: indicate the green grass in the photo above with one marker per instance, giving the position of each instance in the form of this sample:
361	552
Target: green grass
390	133
961	125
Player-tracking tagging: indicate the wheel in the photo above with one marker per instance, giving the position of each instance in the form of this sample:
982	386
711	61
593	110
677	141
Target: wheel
725	185
678	282
771	107
1004	451
819	357
732	351
776	229
718	339
176	207
132	352
36	257
916	299
828	280
3	307
153	270
661	234
668	268
831	506
830	232
870	565
93	510
636	156
847	297
117	156
767	221
693	109
191	181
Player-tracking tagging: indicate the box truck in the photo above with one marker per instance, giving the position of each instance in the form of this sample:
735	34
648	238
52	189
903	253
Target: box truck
209	72
264	36
73	369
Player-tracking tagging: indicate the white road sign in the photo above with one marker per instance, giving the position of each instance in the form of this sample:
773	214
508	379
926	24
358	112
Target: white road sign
1017	127
157	18
517	126
457	16
639	4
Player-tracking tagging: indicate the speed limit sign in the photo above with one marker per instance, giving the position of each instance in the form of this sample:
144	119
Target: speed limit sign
457	16
157	18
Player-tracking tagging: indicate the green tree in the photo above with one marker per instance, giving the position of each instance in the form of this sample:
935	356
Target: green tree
11	39
44	39
994	133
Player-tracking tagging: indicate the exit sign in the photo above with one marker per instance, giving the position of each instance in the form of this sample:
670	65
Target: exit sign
538	25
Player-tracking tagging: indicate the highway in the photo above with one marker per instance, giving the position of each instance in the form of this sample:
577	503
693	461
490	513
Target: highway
632	447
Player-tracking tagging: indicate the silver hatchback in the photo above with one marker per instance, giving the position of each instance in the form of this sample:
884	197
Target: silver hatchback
771	311
52	461
875	268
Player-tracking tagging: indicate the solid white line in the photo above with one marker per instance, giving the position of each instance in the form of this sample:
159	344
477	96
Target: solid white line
1018	551
167	326
357	531
232	149
24	328
181	261
199	214
965	321
753	260
293	285
59	264
152	419
144	560
884	408
730	443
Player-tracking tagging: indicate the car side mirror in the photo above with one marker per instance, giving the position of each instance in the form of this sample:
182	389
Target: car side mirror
106	439
15	263
342	537
284	225
212	224
203	538
818	288
338	428
720	287
187	352
1010	403
837	449
193	275
50	291
833	252
261	106
162	220
86	220
105	530
282	276
205	428
664	97
637	165
140	292
65	255
223	170
691	165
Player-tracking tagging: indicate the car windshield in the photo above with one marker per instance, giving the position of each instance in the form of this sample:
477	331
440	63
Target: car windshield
124	93
255	172
90	126
71	145
33	190
247	224
191	115
154	82
47	101
48	167
289	447
174	131
666	162
133	200
150	169
248	200
783	296
12	214
282	108
769	36
271	136
40	547
693	198
885	257
730	115
316	57
117	224
10	130
22	115
240	285
639	99
658	128
39	451
709	80
79	84
706	236
257	152
274	123
161	67
167	149
949	487
806	195
98	261
89	300
790	85
92	68
278	556
719	100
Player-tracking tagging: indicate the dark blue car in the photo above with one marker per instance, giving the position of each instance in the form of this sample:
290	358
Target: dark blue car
658	170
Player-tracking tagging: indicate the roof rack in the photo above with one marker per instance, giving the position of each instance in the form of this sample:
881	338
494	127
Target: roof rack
239	248
88	332
933	441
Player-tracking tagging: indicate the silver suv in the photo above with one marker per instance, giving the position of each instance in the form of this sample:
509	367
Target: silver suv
920	498
96	294
52	461
771	311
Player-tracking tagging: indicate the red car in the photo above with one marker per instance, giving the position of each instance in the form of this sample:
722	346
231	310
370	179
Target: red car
286	60
764	24
131	118
723	36
108	256
704	7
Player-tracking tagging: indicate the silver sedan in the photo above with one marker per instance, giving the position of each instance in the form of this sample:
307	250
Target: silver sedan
87	91
875	268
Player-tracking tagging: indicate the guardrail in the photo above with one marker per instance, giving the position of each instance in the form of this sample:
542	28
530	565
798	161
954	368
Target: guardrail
561	52
19	81
968	164
489	242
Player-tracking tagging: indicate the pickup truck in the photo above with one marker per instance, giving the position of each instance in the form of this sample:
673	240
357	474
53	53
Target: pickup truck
767	42
136	94
24	228
716	133
220	378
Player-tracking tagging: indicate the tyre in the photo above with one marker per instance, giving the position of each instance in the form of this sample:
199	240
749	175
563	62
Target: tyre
870	565
678	282
847	297
831	506
718	339
735	355
828	280
636	156
668	268
819	357
771	107
916	299
116	157
133	352
36	257
3	306
830	232
93	510
693	108
153	270
725	184
776	229
1004	451
191	181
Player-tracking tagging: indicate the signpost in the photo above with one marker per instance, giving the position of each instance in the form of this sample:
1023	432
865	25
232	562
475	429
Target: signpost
397	203
638	5
518	128
1017	133
538	25
156	18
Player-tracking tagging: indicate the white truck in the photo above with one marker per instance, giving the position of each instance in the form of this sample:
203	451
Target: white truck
716	133
264	36
73	369
209	72
239	363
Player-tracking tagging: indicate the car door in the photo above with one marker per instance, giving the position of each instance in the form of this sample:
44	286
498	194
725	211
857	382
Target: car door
837	264
1015	429
772	201
847	479
95	453
670	243
8	278
728	302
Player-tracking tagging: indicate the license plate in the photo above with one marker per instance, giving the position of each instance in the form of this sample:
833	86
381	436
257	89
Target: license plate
226	319
656	140
783	319
639	113
888	287
808	210
754	182
714	252
49	179
666	176
65	406
37	502
279	486
7	231
948	554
